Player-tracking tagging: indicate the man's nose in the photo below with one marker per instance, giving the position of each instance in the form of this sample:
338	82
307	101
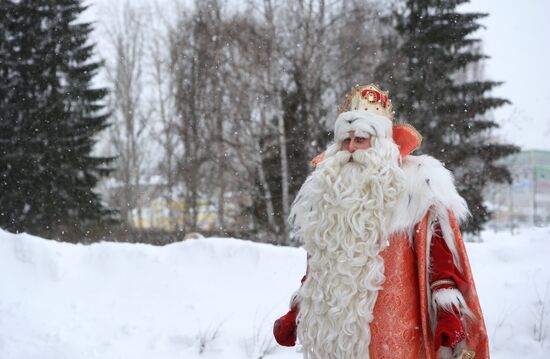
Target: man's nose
351	147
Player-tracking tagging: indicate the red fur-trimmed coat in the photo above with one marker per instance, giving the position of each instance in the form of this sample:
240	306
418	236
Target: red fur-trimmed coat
449	313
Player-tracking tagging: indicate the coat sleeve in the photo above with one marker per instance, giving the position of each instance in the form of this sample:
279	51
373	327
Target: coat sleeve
446	282
443	272
284	328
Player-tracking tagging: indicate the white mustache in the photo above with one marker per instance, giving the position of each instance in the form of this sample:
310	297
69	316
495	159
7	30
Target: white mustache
359	156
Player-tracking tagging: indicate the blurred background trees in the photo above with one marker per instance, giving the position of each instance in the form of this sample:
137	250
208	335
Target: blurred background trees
216	108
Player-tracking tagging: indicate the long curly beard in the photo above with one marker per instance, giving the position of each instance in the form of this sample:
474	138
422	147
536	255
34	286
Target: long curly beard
340	215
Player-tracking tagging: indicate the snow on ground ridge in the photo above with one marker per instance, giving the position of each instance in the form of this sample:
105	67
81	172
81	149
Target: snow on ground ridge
218	297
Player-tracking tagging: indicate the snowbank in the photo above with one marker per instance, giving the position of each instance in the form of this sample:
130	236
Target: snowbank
217	297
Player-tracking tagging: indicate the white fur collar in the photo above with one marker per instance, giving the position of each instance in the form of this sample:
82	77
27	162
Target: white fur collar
429	186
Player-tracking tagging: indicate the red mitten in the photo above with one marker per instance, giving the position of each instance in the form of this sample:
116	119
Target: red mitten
449	330
284	328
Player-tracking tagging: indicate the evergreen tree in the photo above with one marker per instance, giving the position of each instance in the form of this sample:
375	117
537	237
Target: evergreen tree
435	87
49	114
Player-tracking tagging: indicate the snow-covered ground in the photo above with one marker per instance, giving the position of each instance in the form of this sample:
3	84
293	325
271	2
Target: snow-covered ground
219	296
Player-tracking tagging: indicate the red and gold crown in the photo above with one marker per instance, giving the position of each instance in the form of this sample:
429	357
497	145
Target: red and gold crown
368	98
372	99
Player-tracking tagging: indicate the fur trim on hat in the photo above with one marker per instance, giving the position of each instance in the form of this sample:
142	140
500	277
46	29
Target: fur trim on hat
364	124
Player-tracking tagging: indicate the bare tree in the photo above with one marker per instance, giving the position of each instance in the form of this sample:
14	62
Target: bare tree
254	100
185	79
163	109
195	61
204	84
128	131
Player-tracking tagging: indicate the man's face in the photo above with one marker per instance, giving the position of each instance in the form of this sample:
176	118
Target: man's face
353	143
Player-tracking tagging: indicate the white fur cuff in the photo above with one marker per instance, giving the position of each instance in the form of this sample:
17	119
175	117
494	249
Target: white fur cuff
449	353
294	299
445	353
449	299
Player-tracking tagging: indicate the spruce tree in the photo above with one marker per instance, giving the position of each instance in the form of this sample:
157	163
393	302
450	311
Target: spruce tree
434	86
49	115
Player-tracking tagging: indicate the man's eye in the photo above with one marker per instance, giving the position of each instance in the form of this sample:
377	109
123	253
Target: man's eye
360	139
347	140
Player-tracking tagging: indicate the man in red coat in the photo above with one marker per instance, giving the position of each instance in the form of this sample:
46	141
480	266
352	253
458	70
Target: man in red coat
388	275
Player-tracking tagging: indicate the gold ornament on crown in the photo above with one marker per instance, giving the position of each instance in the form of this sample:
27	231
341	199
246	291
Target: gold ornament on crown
368	98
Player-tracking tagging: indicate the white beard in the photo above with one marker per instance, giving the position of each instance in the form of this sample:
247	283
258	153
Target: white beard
340	215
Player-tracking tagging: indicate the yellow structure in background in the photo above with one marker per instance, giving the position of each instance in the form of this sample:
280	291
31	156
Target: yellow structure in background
159	213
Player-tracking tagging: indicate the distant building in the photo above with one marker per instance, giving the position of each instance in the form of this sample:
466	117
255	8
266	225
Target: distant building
155	209
159	213
527	200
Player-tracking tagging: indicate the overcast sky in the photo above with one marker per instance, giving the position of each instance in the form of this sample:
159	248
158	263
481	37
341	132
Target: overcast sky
515	38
